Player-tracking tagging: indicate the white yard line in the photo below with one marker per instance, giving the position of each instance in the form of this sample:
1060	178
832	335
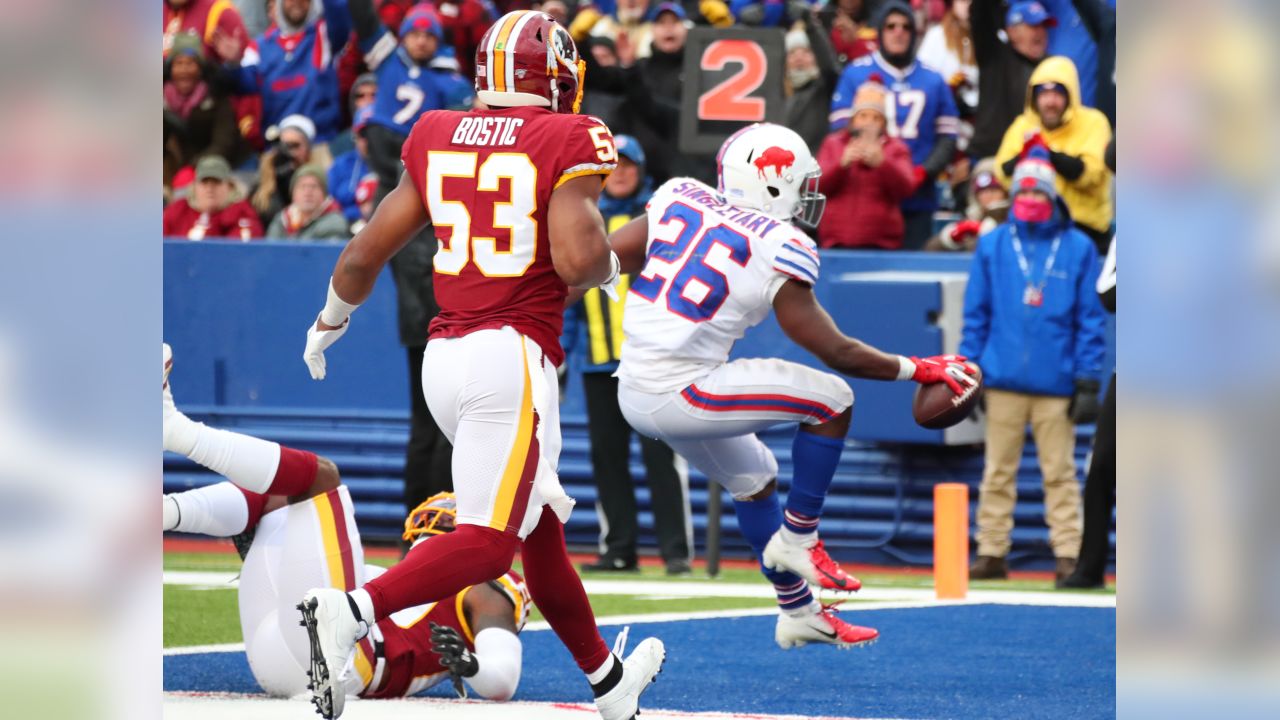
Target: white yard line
922	597
218	706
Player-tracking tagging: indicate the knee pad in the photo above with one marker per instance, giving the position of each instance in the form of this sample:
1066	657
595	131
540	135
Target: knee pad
744	485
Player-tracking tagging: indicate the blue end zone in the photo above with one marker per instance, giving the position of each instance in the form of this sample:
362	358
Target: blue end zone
978	661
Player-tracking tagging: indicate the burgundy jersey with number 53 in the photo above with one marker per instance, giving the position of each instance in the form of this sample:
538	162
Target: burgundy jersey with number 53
486	178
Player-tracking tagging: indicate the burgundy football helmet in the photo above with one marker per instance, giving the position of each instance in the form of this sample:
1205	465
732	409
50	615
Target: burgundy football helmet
526	58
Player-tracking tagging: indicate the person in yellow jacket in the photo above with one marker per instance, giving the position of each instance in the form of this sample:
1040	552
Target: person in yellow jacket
1076	138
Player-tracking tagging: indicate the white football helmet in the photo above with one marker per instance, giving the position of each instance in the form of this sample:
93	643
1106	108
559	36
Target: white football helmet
768	167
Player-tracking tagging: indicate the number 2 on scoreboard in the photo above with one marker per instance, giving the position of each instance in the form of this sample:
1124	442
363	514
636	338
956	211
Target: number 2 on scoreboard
731	99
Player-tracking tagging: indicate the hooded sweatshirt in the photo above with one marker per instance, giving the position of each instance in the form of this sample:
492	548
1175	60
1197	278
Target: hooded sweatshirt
294	70
1084	134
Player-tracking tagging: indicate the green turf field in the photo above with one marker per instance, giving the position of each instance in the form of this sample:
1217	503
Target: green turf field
199	615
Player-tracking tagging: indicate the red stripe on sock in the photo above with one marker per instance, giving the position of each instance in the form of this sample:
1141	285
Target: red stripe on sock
295	473
256	502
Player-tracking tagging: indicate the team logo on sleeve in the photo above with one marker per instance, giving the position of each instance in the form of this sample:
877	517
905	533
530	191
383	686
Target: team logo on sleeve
776	158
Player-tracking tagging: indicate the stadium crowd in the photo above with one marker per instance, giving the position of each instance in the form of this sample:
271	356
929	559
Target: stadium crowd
283	119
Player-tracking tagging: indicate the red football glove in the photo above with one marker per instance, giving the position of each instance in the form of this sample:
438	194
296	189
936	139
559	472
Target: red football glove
918	177
965	227
950	369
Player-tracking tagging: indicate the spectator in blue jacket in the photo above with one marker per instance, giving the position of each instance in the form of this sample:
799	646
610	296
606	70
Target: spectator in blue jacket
593	339
1033	323
351	167
293	67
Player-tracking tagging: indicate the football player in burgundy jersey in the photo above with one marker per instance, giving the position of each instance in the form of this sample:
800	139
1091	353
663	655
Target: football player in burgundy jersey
293	523
511	190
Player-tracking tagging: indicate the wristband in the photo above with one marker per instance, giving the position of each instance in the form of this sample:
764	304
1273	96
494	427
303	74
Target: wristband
336	310
615	268
906	368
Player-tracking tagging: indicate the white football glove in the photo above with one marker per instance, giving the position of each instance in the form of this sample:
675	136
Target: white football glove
610	286
317	342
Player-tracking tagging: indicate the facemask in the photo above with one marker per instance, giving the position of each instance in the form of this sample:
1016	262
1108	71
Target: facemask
1032	209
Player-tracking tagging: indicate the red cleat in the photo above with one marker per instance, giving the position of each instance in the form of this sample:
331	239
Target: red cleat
812	564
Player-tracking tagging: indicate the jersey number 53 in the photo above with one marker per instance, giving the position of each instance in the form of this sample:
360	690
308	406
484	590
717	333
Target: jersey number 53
514	214
694	289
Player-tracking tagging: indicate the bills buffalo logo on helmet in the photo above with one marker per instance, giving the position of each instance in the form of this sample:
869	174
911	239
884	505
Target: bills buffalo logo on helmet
776	158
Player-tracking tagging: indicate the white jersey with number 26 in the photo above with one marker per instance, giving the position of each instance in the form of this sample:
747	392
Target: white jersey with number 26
711	271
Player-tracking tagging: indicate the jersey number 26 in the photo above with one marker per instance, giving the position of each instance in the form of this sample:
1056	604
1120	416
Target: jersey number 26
695	290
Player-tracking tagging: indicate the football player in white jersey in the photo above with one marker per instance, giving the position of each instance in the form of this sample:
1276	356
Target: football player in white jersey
713	262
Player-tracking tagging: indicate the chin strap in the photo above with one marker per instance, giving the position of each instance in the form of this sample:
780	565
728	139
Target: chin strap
582	81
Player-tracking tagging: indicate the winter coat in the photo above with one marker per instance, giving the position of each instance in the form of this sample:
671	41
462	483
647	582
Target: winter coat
1084	134
1002	77
328	225
210	129
237	221
1038	350
863	203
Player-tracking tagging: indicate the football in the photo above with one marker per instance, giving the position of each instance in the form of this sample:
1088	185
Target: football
936	407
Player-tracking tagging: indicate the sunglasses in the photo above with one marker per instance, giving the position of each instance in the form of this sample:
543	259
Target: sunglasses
291	146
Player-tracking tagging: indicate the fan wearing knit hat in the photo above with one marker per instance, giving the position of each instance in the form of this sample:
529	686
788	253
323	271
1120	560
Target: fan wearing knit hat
313	214
1033	323
866	174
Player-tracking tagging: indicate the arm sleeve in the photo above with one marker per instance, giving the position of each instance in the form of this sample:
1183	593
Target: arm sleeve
588	149
984	23
1094	151
842	99
242	78
1091	321
1091	15
823	52
374	41
498	655
940	156
977	304
337	25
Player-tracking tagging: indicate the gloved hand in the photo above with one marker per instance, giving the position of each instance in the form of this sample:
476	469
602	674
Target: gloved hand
582	23
317	342
1083	408
752	14
454	655
716	12
918	177
965	227
949	369
796	11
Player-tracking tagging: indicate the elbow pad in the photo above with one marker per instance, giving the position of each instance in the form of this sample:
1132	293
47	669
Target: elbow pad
498	653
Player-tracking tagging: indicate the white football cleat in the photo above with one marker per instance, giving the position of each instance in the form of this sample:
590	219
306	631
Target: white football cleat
821	627
811	563
639	671
333	630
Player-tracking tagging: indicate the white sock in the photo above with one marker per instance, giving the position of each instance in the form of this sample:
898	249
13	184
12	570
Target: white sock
246	461
171	513
219	510
179	430
804	540
364	601
804	611
600	673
